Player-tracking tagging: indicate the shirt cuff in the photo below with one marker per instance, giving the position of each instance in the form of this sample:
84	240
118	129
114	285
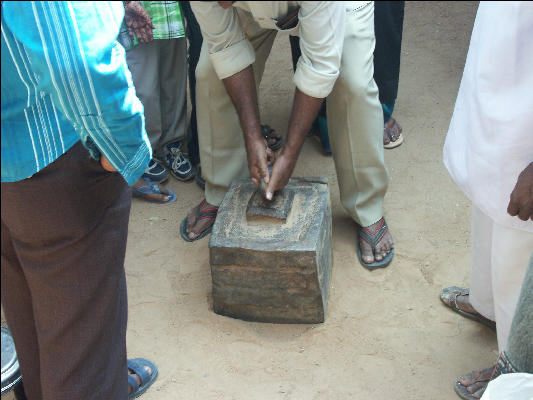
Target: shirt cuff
132	171
233	59
313	83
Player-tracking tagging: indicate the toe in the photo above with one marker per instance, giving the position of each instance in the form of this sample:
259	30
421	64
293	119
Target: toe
386	138
368	259
478	393
476	387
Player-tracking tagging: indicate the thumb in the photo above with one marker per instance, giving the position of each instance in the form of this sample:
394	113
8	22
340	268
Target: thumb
271	188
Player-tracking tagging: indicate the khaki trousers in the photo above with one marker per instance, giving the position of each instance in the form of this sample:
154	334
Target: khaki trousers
355	120
500	257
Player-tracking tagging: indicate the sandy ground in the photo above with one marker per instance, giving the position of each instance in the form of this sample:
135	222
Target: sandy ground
386	336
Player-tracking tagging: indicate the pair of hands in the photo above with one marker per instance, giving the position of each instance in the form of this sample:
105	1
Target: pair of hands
138	21
260	156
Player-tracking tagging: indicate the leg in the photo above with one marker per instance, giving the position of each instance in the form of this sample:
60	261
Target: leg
519	349
388	17
173	96
508	255
71	249
220	136
194	35
143	64
355	124
481	296
173	90
511	251
16	299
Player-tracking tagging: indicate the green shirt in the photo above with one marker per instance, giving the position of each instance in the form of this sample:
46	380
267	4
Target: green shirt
167	20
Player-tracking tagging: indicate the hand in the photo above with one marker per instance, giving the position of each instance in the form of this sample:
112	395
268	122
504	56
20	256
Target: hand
138	21
281	172
259	157
521	202
106	164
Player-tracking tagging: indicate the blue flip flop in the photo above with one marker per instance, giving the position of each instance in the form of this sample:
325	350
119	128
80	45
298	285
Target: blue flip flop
153	188
200	214
137	366
373	240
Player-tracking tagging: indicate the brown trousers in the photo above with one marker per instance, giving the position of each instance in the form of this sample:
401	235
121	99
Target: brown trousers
64	233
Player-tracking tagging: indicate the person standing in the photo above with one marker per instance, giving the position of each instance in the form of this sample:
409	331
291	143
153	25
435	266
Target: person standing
489	154
237	40
388	29
73	140
153	34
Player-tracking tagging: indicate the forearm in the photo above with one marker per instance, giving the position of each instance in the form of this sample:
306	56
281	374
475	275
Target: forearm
304	111
242	91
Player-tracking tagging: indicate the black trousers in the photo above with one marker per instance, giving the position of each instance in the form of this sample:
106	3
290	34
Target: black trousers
64	233
194	36
388	27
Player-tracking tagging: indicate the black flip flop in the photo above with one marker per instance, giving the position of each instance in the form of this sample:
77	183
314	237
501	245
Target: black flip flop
200	214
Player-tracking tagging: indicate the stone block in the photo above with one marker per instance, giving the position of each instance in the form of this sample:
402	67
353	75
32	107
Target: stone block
271	261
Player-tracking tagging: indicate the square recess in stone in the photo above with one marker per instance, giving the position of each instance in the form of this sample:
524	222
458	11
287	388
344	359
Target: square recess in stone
271	262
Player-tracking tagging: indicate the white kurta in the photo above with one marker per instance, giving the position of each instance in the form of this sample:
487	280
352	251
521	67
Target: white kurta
490	139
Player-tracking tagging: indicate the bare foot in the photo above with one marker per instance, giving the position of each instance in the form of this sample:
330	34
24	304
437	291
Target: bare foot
391	131
200	218
382	248
475	382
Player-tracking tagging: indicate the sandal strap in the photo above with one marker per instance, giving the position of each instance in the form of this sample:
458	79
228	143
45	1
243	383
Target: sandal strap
204	213
152	188
462	292
373	239
139	370
133	383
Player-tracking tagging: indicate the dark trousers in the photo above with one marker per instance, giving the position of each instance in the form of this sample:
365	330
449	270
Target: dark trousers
64	234
194	36
388	27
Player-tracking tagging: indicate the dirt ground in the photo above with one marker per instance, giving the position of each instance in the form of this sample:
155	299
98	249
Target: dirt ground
386	335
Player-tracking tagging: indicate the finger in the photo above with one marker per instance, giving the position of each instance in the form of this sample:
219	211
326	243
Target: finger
255	181
142	35
271	157
264	172
512	208
524	213
269	193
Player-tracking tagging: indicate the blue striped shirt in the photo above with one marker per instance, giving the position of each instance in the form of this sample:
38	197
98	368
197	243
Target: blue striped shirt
65	78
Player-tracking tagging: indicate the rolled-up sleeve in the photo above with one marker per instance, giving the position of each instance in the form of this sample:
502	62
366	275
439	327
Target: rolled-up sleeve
229	49
321	42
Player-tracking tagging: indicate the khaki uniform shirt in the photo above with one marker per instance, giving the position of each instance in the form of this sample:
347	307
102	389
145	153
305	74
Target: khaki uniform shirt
320	28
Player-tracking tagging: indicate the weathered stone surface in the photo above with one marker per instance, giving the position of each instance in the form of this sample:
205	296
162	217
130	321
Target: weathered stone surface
277	208
271	261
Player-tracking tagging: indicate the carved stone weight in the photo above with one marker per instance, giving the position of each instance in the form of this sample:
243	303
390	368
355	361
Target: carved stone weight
271	261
